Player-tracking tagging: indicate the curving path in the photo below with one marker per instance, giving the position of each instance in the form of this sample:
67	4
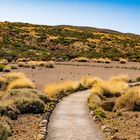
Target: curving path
70	120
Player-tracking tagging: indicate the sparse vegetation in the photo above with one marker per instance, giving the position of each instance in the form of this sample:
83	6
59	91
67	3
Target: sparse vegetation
111	101
62	89
24	42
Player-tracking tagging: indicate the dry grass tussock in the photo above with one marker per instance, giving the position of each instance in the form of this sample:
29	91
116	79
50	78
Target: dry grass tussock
13	76
101	60
32	64
3	61
62	89
15	81
130	100
21	83
104	93
81	59
89	82
114	87
56	90
123	61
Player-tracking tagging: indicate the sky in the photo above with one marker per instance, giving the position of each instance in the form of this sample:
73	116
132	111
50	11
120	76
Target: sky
120	15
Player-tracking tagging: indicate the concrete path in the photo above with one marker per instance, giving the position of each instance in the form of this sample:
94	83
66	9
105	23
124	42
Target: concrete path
71	120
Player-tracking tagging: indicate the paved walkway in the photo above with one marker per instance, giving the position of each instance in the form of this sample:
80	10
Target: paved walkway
71	120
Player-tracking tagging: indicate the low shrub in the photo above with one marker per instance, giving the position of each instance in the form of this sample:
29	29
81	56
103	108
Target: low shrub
17	101
5	128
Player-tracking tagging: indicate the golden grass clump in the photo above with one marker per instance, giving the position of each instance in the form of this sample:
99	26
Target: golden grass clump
2	80
89	82
109	88
123	61
107	61
50	64
94	60
21	64
130	100
22	60
32	64
41	63
13	76
55	90
81	59
3	61
21	83
100	60
122	78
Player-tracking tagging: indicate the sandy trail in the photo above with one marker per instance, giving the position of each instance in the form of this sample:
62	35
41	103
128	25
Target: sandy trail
70	120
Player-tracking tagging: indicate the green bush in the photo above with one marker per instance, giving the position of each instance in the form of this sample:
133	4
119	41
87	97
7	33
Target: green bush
18	101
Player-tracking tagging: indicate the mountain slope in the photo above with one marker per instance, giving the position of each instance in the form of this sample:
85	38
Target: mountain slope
46	42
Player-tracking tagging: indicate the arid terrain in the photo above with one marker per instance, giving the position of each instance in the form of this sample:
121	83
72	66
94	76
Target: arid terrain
65	71
127	122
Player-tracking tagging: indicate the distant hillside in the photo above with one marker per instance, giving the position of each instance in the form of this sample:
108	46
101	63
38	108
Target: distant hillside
66	42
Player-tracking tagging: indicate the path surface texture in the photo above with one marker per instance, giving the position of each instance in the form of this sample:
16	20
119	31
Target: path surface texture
71	120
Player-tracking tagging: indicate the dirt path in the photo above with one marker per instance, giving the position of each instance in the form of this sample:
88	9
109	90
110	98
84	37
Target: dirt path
70	120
